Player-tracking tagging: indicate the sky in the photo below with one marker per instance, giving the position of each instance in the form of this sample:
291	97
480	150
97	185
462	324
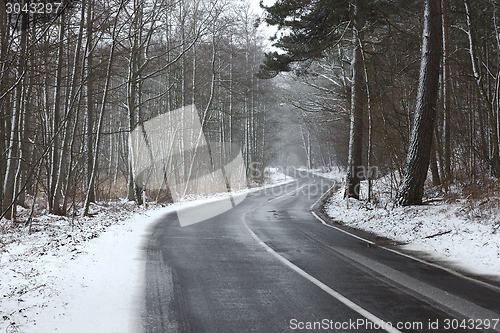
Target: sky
270	31
266	3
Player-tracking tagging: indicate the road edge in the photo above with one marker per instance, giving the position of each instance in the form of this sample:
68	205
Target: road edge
318	211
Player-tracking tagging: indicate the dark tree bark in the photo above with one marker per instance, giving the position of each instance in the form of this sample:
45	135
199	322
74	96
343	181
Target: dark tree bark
65	166
477	63
4	42
12	157
411	189
107	84
54	199
358	102
90	101
134	86
446	96
436	179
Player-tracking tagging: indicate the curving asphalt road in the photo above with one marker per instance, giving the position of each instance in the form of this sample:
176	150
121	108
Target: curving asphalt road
271	265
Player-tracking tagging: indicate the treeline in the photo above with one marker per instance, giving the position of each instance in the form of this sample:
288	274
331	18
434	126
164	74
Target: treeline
380	111
76	82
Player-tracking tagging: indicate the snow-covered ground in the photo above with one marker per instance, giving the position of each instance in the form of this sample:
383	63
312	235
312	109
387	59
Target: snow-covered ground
82	275
463	233
87	277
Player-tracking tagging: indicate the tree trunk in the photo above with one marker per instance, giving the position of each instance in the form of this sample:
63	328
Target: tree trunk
134	86
358	101
439	158
101	113
9	205
446	97
476	69
54	194
436	180
417	163
369	162
70	133
90	102
4	33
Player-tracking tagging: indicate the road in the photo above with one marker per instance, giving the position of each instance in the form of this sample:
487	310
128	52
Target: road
271	265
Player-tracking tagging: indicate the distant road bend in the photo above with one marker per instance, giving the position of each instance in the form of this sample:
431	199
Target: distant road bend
271	265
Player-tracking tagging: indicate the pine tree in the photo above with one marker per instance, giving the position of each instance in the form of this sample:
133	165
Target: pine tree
417	163
310	28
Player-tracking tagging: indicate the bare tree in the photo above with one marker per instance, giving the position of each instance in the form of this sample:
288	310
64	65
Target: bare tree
115	31
483	89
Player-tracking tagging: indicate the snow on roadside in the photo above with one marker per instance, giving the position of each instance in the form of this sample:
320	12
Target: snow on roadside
452	232
84	278
73	279
273	176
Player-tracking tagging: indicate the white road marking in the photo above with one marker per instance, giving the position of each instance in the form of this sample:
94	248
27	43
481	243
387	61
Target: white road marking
353	306
398	252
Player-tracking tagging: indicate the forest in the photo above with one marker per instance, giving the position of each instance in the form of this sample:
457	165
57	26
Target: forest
75	83
399	87
339	84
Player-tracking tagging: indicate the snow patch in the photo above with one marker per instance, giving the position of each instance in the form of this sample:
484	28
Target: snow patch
83	275
451	232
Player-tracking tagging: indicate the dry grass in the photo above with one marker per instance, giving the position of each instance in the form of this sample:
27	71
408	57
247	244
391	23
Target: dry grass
480	200
476	200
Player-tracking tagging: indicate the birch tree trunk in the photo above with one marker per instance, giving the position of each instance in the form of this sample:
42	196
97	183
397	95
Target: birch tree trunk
9	207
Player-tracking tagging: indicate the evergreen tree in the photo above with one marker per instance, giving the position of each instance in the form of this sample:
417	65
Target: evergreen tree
309	29
411	190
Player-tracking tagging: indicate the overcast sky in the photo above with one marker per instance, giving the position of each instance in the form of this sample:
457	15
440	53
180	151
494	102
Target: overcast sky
266	2
268	30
